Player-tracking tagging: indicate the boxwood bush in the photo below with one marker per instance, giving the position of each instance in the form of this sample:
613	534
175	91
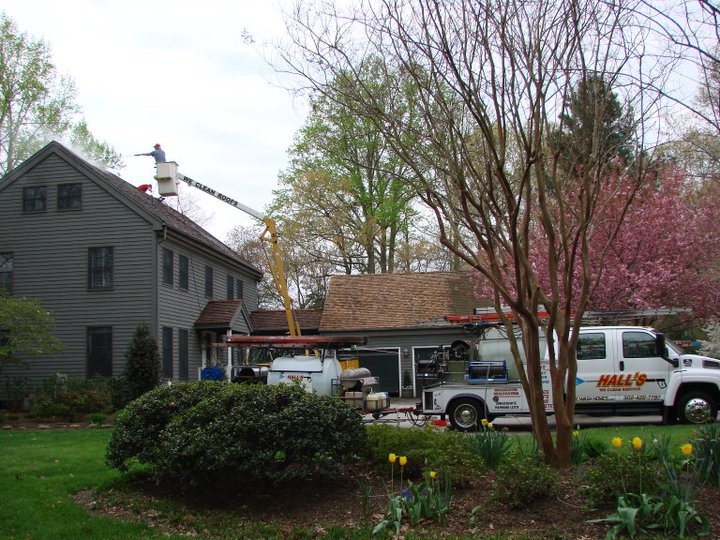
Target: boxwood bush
209	433
71	398
616	473
449	452
140	424
522	480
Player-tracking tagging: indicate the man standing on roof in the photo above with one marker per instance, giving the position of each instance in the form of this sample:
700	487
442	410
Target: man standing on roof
158	154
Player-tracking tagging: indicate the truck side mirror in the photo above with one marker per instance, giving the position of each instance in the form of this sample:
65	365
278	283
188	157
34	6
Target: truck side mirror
661	350
660	346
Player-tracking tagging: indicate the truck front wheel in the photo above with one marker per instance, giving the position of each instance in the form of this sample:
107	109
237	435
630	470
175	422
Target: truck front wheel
466	414
696	407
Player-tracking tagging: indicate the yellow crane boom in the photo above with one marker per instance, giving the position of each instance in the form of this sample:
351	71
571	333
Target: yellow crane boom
277	269
168	176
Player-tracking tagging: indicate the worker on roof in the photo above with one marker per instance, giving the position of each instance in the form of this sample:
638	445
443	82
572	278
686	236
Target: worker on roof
158	153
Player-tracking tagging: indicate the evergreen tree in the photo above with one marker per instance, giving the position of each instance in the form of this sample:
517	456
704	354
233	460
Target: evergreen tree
593	129
142	363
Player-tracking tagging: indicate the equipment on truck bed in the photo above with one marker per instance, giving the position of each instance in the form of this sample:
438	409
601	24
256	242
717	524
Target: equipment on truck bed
320	372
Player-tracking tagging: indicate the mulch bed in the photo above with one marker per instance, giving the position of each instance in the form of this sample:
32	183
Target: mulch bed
316	507
20	420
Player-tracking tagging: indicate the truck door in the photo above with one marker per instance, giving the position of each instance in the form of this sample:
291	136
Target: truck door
595	361
642	376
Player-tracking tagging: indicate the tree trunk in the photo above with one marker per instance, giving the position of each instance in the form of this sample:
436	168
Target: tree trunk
557	454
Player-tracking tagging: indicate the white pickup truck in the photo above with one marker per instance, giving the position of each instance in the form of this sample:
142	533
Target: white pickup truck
622	370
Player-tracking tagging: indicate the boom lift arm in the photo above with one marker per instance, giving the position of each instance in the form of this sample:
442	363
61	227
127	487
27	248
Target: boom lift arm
168	174
277	269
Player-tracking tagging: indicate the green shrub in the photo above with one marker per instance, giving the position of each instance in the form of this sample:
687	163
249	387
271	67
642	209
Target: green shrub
68	399
60	405
595	448
119	393
142	363
415	444
455	457
214	433
97	419
521	480
114	387
449	451
17	390
615	473
139	425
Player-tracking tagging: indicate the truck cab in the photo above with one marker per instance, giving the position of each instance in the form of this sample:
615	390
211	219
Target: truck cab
634	370
622	370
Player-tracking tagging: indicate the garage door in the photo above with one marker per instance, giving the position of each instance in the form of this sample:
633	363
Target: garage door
384	364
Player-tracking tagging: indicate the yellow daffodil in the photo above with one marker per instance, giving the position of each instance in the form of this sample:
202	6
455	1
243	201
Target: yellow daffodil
617	442
433	474
490	426
484	422
392	458
686	449
637	443
576	434
403	461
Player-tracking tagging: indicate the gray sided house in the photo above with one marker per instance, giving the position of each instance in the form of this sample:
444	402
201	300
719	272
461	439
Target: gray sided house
403	318
105	257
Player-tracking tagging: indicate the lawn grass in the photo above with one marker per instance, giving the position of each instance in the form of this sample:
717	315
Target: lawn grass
40	470
679	434
39	473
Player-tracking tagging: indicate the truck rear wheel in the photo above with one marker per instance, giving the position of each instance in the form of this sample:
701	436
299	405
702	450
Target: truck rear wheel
466	414
697	407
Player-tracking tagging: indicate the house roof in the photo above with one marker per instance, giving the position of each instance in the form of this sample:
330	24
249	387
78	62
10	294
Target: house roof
393	301
275	320
220	314
152	207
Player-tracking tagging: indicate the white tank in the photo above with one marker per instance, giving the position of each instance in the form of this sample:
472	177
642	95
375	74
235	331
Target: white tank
314	374
497	347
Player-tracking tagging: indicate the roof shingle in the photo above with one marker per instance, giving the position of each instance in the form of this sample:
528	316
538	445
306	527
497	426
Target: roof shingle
275	320
219	312
170	216
407	300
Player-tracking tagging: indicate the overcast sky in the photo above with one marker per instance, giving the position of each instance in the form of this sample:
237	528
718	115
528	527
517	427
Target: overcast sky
179	74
